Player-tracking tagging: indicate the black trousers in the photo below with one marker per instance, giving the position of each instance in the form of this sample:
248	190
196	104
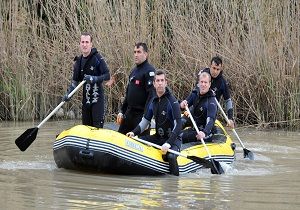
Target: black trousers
169	157
132	118
93	115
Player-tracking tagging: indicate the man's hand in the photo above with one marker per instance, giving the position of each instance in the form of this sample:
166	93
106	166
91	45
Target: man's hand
183	104
119	118
70	89
200	135
186	113
66	98
110	82
165	147
130	134
230	124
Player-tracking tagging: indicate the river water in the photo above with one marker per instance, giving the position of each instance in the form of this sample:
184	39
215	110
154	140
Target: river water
31	180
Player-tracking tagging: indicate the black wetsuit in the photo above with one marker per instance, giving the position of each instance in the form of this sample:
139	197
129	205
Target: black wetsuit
204	113
166	112
138	92
93	94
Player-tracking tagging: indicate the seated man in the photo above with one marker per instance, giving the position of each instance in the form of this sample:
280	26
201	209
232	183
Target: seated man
164	108
204	110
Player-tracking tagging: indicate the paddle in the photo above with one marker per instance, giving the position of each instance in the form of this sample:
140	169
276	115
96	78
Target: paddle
247	153
217	168
25	140
201	161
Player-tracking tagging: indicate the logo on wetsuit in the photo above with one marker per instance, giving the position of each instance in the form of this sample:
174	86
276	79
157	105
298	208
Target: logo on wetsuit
91	98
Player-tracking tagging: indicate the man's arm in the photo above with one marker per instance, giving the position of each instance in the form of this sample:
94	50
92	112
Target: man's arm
141	126
102	70
228	104
149	77
177	123
211	116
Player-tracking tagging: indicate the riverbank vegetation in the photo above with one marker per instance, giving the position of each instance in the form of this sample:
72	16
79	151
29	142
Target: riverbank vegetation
258	41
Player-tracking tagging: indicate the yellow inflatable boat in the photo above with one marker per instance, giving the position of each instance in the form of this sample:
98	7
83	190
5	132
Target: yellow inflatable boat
88	148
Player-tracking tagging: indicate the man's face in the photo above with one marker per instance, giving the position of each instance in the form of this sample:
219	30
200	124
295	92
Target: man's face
139	55
204	84
85	45
160	84
215	69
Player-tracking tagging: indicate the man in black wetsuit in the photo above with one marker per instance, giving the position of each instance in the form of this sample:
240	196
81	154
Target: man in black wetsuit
204	110
90	66
138	91
220	86
164	108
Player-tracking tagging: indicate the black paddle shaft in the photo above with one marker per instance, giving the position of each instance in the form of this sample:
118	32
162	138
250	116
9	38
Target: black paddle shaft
214	166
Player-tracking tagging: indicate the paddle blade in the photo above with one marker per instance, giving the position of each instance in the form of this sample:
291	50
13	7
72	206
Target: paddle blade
25	140
217	168
201	161
248	154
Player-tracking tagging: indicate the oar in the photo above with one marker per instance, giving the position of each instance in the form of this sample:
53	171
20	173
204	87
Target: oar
25	140
217	168
201	161
247	153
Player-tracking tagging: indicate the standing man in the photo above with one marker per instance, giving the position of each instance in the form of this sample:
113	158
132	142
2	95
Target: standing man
220	86
91	67
204	110
164	108
138	91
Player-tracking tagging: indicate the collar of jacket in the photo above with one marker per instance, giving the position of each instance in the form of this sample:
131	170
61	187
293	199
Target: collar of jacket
167	92
142	64
210	93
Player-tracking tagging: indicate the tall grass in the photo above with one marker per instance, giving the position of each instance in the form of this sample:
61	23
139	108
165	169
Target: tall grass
258	41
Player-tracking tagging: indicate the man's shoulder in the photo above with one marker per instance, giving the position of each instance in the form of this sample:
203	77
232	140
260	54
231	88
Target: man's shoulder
148	69
223	80
196	90
97	55
147	66
171	97
206	69
77	58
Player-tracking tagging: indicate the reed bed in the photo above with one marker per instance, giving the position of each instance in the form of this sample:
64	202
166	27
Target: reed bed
258	41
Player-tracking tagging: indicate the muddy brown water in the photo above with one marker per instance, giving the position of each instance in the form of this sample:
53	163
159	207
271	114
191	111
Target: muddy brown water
31	180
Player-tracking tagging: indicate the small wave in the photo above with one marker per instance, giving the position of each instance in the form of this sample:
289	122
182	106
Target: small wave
270	148
19	165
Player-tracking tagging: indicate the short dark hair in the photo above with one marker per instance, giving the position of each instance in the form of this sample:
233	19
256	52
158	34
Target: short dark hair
143	45
87	34
160	72
217	60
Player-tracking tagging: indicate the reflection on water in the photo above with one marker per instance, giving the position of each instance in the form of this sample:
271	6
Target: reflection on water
31	179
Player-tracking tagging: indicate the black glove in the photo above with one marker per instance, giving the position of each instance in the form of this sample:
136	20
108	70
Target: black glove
66	96
90	79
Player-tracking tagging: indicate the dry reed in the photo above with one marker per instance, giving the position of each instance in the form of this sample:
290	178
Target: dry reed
258	41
